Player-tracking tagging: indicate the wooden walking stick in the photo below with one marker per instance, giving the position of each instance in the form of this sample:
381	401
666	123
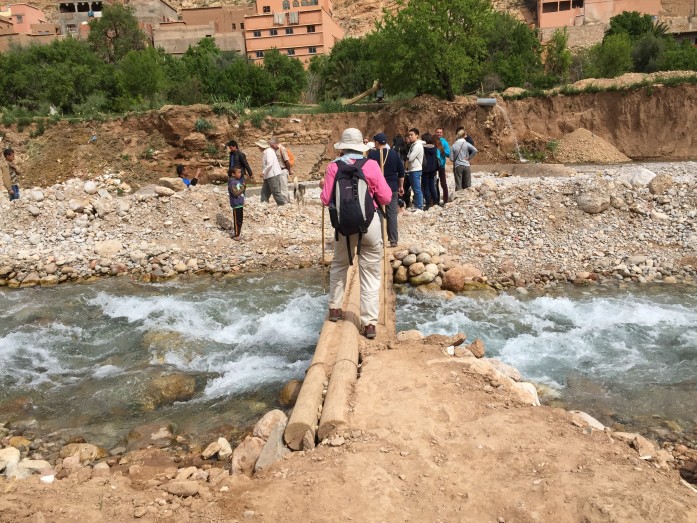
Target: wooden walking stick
324	278
384	267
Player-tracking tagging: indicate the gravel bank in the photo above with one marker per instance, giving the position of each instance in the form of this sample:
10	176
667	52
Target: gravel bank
520	231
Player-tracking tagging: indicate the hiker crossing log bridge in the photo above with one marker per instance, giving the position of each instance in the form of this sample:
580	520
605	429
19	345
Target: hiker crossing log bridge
335	362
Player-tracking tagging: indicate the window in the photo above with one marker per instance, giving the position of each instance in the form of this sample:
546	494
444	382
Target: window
289	30
234	26
266	9
273	32
310	28
550	8
577	3
71	29
260	54
312	50
242	26
564	6
257	34
19	19
286	4
291	52
296	3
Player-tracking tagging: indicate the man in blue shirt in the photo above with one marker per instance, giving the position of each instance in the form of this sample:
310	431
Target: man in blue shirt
441	164
184	175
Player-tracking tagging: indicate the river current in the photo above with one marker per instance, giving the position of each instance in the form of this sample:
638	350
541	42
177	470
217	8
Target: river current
76	358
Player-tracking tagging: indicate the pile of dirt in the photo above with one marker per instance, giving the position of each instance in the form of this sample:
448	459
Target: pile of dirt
582	146
629	79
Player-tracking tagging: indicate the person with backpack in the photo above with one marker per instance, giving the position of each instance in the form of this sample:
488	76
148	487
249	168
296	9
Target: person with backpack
286	160
443	153
429	172
393	170
352	189
460	154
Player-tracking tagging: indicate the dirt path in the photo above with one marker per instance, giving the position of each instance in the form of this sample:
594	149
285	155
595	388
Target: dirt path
430	440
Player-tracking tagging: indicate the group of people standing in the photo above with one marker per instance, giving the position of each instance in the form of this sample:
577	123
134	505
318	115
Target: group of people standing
10	173
392	174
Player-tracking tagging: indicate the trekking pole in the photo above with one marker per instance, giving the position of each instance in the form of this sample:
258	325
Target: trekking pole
384	260
324	279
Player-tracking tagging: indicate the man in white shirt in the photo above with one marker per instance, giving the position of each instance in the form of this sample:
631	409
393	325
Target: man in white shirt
271	172
415	159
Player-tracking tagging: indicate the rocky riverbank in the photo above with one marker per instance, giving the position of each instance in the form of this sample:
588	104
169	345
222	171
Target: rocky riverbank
472	421
633	222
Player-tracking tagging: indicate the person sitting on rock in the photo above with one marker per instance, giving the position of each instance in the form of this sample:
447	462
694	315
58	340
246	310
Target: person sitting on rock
182	172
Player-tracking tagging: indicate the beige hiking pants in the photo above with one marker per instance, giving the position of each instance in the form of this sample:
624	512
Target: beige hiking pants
369	271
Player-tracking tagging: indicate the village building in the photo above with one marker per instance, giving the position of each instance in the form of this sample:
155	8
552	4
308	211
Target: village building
22	24
561	13
225	24
298	28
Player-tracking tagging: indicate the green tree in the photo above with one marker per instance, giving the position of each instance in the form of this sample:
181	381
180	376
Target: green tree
646	53
63	73
632	23
141	74
288	75
680	57
115	33
348	70
432	46
610	58
558	56
514	51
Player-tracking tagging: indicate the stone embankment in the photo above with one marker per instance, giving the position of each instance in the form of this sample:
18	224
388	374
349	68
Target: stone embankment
631	222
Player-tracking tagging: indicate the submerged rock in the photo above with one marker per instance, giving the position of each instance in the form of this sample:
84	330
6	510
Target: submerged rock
166	390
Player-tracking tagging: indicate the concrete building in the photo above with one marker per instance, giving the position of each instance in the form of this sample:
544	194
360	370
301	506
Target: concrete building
560	13
23	16
225	24
298	28
72	15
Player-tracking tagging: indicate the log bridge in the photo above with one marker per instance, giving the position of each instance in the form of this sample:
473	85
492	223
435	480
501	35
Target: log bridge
334	366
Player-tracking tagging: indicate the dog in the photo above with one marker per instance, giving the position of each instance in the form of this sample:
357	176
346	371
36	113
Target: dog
298	191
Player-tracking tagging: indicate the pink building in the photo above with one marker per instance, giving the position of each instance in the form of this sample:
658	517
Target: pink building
560	13
298	28
23	16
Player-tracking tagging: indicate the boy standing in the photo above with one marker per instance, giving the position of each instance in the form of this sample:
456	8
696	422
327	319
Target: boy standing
10	174
236	188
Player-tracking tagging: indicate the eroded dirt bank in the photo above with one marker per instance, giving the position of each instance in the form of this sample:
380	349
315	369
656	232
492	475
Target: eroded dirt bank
652	123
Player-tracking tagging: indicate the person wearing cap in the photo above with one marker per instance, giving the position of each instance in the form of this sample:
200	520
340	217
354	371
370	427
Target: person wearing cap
284	162
351	148
237	159
271	172
460	154
392	169
10	174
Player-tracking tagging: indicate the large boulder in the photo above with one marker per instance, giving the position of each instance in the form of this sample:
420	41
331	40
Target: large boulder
108	248
268	423
176	184
166	390
273	450
422	279
85	451
660	184
593	202
9	457
245	456
289	393
456	278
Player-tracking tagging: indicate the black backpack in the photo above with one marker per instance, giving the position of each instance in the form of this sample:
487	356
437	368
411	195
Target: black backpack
430	160
351	207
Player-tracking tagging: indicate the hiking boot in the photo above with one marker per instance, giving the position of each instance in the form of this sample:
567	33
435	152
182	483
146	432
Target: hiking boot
393	244
369	332
335	314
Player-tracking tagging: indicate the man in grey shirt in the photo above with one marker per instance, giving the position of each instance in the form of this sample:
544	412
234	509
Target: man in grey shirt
461	152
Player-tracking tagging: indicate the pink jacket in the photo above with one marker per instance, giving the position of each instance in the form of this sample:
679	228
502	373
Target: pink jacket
373	175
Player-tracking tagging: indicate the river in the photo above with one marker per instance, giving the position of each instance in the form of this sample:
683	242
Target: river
76	358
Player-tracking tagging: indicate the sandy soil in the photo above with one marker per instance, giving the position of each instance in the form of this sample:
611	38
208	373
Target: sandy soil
430	440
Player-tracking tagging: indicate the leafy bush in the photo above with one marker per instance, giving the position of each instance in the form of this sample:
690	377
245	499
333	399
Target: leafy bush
202	125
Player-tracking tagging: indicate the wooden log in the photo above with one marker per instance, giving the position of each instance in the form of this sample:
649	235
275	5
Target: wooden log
335	412
306	411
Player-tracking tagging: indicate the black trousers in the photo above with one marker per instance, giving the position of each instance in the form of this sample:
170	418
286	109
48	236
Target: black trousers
237	218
